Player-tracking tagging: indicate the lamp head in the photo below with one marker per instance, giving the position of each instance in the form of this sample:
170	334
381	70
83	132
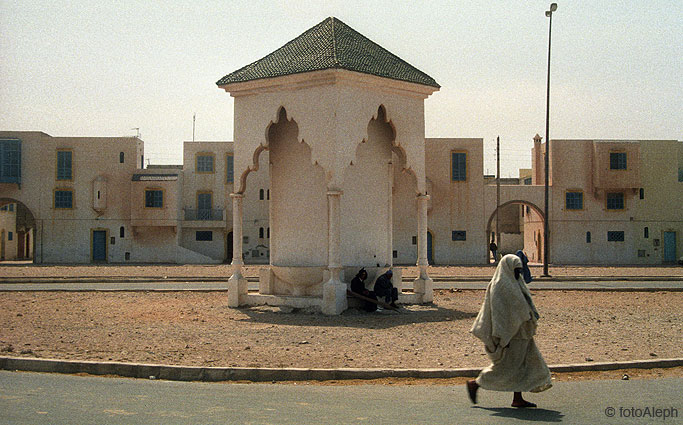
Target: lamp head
553	7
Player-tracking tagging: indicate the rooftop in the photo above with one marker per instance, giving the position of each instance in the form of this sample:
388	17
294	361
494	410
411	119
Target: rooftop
330	45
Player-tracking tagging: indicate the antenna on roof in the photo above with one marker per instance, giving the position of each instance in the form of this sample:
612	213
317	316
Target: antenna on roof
194	118
137	131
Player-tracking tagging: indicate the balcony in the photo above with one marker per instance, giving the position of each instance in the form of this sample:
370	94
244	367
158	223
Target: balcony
200	217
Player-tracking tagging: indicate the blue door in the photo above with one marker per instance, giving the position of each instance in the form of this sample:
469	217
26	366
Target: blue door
99	245
669	247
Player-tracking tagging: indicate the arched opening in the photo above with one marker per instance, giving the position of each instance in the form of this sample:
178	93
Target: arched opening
298	190
366	203
520	226
18	228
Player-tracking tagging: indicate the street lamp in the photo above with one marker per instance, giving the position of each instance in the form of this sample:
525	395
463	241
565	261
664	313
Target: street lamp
546	230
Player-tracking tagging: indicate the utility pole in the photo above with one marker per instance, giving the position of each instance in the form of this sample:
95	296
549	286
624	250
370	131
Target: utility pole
194	118
546	211
497	192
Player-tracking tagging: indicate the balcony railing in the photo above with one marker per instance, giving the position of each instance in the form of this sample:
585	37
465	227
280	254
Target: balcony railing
192	214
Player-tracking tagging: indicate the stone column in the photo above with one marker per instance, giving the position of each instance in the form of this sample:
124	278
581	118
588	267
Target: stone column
423	284
237	284
334	290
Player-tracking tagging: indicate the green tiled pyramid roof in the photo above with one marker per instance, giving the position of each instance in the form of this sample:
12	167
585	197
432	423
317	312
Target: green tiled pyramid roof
330	45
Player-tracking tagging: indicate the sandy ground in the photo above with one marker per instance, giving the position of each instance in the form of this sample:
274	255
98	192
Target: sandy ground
194	328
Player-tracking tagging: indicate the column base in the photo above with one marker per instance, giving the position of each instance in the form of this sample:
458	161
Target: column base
334	297
237	290
266	281
425	287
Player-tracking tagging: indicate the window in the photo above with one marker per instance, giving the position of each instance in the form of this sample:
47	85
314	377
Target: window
10	207
615	236
573	200
642	193
527	180
204	235
588	237
121	157
10	236
615	201
414	240
459	235
261	232
10	161
204	205
230	168
268	194
205	163
268	232
458	166
64	199
617	160
261	194
113	240
154	198
646	233
245	239
122	232
64	171
394	254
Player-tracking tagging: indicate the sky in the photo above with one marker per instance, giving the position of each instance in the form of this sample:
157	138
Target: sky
103	68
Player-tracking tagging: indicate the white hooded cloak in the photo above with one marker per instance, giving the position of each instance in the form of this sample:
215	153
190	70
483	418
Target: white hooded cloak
506	324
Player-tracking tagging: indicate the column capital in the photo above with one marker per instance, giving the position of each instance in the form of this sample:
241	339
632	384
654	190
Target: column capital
335	192
237	195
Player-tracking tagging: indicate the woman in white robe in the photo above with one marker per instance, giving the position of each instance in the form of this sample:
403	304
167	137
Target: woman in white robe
506	324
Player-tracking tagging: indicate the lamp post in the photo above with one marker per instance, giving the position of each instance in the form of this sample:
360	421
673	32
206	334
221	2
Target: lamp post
546	230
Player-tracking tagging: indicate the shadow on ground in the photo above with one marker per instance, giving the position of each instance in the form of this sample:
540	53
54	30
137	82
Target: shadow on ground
354	318
532	415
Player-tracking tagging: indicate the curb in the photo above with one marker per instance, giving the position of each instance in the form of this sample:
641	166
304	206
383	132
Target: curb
217	374
252	279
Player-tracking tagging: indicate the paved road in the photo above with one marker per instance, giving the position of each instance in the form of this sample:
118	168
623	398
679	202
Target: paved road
33	398
597	284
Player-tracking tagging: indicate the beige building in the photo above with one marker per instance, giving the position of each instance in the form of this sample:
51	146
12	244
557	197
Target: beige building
330	171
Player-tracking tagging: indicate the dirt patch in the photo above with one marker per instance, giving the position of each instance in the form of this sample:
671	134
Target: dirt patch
199	329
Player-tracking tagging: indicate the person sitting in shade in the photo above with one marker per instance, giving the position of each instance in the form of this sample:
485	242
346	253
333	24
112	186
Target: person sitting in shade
506	324
358	286
385	289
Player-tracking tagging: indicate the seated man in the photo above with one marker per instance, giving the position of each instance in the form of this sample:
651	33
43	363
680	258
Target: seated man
384	288
358	286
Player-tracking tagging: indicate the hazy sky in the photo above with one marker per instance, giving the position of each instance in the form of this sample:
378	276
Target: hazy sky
100	68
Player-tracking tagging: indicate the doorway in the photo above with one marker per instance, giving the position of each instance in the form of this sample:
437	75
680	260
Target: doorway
669	247
430	250
99	246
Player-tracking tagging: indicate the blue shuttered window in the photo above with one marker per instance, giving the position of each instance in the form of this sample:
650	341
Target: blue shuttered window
230	167
64	199
458	166
154	199
617	160
64	166
574	200
615	201
10	161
